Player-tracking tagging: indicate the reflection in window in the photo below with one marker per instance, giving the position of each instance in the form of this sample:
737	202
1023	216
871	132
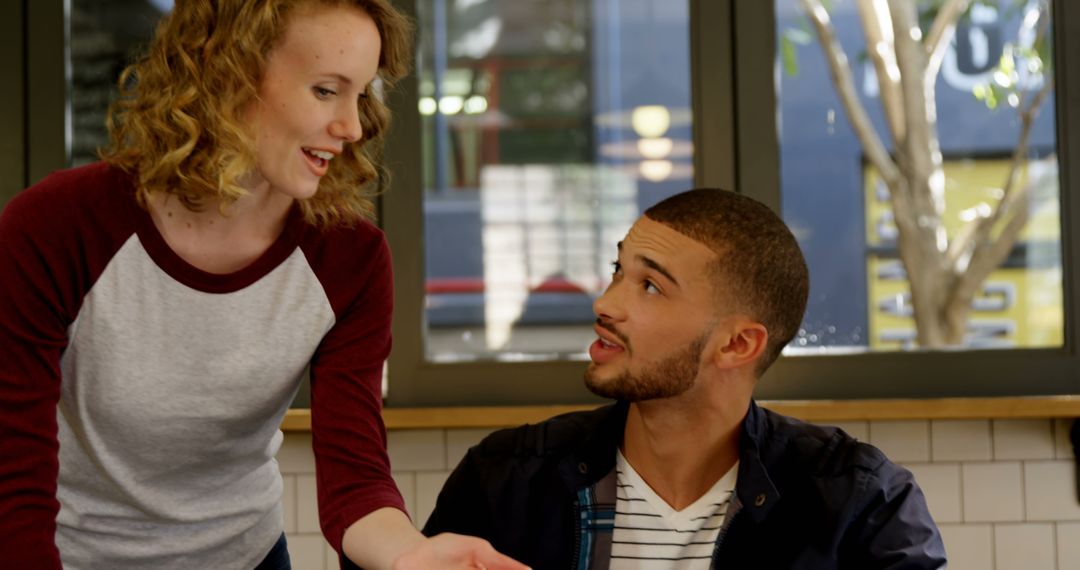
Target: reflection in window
104	36
548	126
942	207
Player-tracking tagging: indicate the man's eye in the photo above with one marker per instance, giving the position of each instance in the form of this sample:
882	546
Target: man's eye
651	289
616	268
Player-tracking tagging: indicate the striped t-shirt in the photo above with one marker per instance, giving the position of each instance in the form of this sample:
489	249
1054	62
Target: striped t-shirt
651	535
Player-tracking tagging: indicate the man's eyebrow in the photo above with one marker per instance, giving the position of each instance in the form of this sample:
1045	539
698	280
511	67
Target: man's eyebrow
652	264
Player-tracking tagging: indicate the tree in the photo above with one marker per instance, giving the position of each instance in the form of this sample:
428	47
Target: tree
944	272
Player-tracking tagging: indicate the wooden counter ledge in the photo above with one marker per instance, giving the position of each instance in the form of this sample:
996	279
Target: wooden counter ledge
299	420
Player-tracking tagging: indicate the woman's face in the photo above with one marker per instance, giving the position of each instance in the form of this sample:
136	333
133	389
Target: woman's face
307	106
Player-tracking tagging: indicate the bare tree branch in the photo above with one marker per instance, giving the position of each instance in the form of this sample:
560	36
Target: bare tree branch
987	257
878	29
941	33
969	240
920	155
845	87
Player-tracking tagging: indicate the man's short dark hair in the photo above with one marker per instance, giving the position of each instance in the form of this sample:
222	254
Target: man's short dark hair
759	267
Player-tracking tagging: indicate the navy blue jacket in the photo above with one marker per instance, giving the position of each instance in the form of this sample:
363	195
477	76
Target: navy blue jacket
806	497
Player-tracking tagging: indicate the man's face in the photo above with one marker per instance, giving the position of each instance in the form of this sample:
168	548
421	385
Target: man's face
656	318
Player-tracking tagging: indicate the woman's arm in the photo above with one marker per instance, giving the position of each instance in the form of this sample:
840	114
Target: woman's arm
32	338
386	539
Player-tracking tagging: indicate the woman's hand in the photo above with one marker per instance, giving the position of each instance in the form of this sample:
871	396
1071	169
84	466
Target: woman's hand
386	538
454	551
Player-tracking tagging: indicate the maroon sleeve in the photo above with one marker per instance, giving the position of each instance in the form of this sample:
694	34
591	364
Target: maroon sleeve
351	463
33	324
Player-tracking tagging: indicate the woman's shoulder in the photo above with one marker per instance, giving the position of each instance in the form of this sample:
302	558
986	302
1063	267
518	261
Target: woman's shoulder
89	184
351	242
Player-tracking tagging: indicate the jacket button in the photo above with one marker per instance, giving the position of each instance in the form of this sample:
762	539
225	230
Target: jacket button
760	500
582	468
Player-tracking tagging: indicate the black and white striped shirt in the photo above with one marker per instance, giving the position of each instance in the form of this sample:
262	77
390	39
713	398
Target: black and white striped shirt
650	535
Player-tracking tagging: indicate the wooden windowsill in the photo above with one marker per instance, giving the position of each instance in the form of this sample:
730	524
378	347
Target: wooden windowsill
299	420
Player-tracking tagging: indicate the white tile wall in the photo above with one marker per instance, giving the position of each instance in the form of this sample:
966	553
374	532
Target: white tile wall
307	551
1025	546
428	486
288	502
1050	488
1068	545
962	440
406	484
307	506
941	485
458	441
417	450
1023	439
993	492
902	441
1062	444
1002	491
969	546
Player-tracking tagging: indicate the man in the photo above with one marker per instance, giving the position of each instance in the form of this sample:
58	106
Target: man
685	470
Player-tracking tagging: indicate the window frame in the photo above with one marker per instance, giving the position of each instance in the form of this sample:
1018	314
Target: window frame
732	48
734	104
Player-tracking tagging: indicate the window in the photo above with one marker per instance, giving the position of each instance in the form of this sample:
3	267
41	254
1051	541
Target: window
991	95
547	126
518	131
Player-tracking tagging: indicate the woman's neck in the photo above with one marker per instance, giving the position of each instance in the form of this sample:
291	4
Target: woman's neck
221	240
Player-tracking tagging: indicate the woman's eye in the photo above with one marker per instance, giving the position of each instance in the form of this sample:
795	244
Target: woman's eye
323	93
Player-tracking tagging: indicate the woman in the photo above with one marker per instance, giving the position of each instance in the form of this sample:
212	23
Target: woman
157	309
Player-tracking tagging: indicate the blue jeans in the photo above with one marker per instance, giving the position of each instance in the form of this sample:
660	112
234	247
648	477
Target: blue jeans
277	558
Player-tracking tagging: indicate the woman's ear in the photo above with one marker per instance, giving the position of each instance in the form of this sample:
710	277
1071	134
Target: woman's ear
742	343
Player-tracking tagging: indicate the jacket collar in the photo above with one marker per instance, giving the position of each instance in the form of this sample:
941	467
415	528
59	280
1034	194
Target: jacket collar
603	432
755	490
595	457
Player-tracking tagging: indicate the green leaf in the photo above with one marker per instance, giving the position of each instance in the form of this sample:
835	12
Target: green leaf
789	56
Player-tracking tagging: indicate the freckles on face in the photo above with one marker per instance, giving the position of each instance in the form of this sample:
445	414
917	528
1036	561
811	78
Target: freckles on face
307	109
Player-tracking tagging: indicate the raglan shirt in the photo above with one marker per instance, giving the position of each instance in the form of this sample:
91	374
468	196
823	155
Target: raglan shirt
141	398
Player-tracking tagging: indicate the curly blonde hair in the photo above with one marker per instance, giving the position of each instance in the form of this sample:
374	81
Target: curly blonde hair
178	125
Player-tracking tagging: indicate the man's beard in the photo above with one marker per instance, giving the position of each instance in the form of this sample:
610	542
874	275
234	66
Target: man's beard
670	377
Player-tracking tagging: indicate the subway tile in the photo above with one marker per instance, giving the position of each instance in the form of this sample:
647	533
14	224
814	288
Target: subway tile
992	492
1050	491
960	440
307	505
295	455
1068	545
406	484
857	430
428	486
331	555
903	440
417	450
307	551
968	546
1024	546
1023	439
940	482
1062	444
458	441
288	502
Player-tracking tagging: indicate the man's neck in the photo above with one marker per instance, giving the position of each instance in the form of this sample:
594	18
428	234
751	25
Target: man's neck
681	449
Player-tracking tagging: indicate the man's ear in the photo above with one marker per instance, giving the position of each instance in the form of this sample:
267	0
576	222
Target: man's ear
742	343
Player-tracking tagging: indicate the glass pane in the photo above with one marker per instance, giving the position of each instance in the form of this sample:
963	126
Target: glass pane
932	219
548	125
104	36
